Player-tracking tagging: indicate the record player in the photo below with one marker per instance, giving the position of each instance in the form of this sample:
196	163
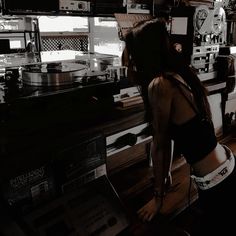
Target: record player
52	74
51	78
42	97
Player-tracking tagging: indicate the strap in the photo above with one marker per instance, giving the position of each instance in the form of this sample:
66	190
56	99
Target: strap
177	81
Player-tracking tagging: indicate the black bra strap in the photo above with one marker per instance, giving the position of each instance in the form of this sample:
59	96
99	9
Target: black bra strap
178	84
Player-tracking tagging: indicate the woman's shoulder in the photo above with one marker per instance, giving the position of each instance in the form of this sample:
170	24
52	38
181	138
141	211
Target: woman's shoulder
161	83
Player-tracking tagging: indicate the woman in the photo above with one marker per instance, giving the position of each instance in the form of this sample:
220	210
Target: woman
177	108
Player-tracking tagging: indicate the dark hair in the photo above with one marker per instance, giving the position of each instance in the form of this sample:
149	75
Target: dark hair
150	50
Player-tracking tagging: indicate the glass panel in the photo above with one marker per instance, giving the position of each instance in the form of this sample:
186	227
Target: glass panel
106	38
63	24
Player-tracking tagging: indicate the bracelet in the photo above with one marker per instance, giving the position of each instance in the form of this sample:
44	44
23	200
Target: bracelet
158	194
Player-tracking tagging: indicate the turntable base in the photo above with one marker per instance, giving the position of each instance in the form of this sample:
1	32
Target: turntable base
52	74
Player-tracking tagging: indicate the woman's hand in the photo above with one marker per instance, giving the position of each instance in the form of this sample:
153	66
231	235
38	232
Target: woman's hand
149	210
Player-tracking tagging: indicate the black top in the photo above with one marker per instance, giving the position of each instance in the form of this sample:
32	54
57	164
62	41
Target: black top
194	139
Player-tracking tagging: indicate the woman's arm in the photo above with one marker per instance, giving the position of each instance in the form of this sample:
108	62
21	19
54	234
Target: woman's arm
160	96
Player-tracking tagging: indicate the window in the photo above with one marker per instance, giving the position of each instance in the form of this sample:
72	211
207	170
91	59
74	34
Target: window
63	24
94	34
106	38
63	33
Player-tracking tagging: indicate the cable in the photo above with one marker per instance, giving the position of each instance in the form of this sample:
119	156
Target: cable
189	191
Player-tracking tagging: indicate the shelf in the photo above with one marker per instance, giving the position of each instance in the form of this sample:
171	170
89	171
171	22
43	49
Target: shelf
17	59
17	31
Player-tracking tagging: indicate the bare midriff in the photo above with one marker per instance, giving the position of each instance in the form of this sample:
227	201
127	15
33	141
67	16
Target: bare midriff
208	164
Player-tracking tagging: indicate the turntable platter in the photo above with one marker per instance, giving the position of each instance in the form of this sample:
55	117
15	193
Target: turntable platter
52	74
